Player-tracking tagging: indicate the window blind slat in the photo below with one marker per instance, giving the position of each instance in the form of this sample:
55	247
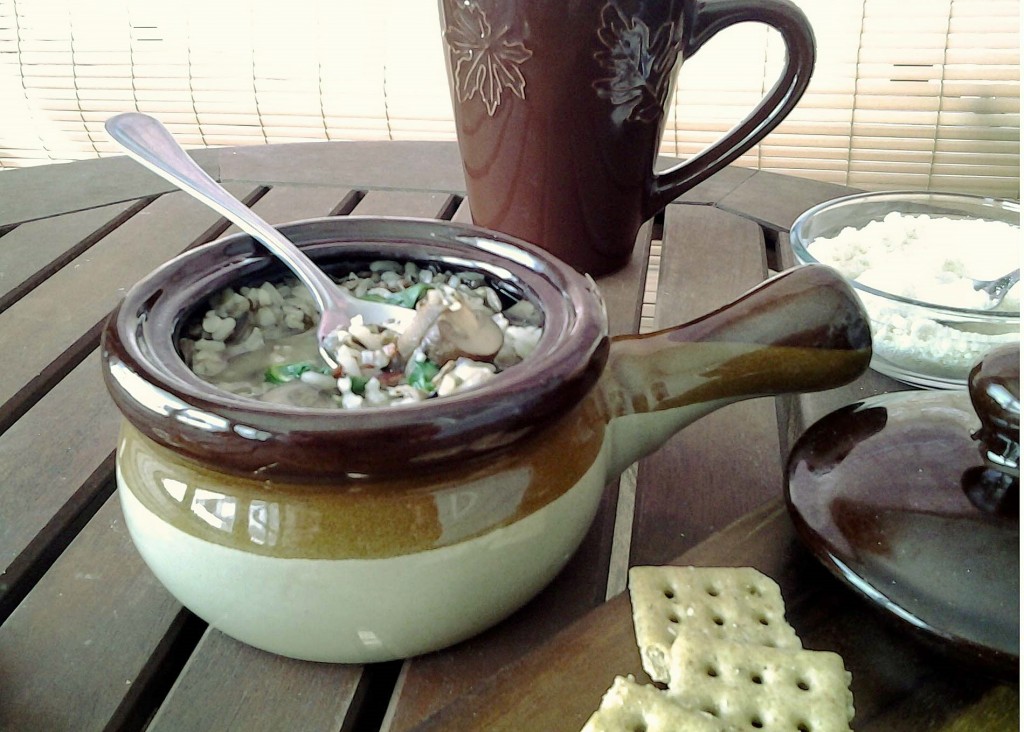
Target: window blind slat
920	93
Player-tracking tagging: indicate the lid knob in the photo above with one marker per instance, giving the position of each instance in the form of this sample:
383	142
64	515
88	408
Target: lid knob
994	387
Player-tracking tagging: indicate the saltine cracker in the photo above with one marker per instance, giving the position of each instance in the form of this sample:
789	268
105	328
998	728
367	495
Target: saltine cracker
628	706
757	687
734	603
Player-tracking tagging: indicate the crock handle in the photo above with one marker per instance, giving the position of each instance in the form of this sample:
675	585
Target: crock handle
802	330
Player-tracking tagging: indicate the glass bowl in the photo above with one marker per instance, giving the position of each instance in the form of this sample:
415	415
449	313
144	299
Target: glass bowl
916	341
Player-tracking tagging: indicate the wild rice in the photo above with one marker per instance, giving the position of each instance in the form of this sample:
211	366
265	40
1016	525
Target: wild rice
260	342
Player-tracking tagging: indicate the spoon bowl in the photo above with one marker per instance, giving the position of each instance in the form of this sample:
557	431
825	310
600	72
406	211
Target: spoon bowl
996	289
147	141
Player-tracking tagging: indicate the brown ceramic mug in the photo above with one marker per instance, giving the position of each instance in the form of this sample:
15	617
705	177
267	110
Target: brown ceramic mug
560	108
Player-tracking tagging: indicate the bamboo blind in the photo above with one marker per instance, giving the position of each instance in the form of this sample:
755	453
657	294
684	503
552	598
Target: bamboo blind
920	94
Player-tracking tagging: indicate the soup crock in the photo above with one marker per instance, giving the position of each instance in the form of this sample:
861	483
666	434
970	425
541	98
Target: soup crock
373	534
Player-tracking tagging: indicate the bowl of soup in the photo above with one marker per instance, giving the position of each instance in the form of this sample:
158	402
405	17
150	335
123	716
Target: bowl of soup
316	525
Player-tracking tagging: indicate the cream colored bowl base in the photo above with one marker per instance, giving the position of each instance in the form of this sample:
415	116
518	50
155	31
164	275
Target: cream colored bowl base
366	610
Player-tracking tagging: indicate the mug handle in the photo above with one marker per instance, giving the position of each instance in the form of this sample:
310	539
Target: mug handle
708	18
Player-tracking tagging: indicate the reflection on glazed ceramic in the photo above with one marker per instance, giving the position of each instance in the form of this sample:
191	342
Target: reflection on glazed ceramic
362	518
365	609
883	492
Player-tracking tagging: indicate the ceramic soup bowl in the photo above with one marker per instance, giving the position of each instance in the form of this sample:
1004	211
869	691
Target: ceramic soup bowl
372	534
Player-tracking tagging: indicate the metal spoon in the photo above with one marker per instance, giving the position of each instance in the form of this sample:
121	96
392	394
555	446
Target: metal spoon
996	289
146	140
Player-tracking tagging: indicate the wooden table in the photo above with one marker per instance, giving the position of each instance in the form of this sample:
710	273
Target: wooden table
91	641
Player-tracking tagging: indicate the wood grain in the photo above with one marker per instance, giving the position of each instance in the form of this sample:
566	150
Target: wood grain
898	685
33	251
727	463
58	460
49	330
227	685
75	652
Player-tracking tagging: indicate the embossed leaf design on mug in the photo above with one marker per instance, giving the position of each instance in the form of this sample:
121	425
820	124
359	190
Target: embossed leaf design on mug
560	107
640	65
485	62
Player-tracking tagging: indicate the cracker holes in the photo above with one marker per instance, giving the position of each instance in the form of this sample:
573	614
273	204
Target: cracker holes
669	593
711	671
757	679
709	709
803	727
763	620
718	620
640	726
803	685
756	723
674	619
712	591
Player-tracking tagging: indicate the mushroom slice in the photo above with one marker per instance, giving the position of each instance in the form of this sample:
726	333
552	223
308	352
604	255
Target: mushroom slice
428	310
462	330
297	394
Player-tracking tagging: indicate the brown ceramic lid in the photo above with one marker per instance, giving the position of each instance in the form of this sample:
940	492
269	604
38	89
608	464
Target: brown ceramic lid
912	500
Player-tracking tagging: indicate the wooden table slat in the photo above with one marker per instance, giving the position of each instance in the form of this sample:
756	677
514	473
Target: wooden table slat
51	329
775	200
70	434
89	640
557	686
227	685
33	251
85	184
418	204
462	214
728	458
391	164
717	187
282	204
80	644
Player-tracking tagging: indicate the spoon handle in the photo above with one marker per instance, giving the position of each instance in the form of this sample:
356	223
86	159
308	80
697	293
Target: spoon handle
146	140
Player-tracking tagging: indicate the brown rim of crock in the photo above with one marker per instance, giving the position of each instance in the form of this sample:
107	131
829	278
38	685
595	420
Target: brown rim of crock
157	392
